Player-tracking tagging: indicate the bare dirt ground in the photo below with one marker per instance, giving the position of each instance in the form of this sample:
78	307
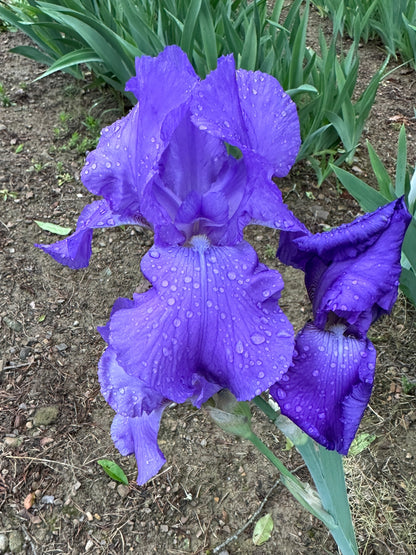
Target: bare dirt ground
54	424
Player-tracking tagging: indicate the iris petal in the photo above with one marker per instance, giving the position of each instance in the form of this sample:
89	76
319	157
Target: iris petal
128	151
125	394
353	270
139	436
75	251
327	389
190	327
251	111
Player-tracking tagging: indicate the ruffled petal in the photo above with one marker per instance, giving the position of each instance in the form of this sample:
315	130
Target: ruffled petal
352	271
264	203
75	251
125	394
188	329
128	152
139	436
251	111
327	389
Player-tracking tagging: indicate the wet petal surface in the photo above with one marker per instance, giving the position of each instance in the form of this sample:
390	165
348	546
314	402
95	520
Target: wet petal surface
251	111
352	271
128	151
188	329
75	251
139	436
328	387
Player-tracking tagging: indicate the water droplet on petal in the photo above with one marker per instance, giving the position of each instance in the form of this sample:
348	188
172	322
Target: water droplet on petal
231	275
176	322
257	338
239	347
171	301
164	283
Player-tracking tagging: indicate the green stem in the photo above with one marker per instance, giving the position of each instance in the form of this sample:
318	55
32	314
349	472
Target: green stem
257	442
327	472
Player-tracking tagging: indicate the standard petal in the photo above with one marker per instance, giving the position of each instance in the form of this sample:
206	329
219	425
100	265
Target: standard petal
212	318
139	436
327	389
251	111
75	251
192	161
352	271
128	152
264	203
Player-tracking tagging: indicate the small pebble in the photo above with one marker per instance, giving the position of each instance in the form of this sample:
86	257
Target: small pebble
15	541
13	441
4	543
45	416
123	490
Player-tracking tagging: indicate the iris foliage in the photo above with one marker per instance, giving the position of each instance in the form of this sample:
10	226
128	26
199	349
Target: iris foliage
106	36
394	23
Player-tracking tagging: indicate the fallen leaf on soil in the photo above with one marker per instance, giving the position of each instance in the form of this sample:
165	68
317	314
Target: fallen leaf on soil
29	500
45	440
399	119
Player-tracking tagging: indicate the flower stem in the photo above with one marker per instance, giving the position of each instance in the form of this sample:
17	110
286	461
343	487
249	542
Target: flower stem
327	472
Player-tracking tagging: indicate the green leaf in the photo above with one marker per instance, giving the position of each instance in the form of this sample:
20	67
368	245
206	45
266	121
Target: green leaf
113	470
361	442
53	228
401	162
263	530
82	56
208	35
33	54
369	198
189	27
408	284
383	178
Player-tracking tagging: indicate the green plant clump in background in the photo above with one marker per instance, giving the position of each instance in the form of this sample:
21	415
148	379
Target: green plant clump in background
105	36
391	21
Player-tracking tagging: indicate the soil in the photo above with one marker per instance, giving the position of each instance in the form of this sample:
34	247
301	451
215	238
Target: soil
54	423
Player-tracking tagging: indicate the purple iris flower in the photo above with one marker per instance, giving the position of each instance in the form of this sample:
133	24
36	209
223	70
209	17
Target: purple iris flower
351	274
211	319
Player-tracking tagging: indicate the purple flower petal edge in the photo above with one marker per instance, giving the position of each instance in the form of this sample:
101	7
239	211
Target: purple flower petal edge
327	388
